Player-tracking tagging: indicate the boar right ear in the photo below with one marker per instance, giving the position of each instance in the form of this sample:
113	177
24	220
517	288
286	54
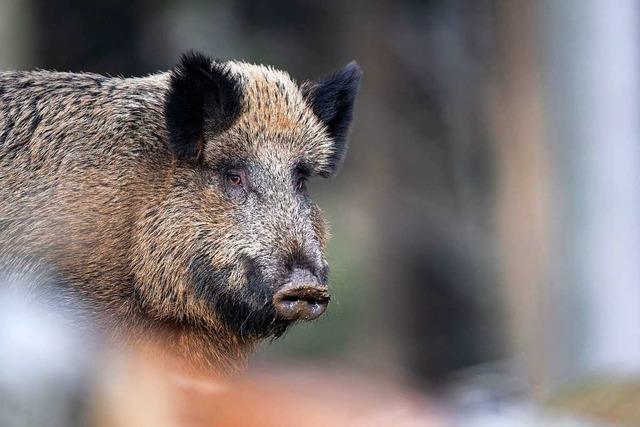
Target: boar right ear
332	101
204	99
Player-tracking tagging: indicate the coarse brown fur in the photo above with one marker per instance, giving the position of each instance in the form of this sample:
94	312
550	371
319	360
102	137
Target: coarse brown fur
126	195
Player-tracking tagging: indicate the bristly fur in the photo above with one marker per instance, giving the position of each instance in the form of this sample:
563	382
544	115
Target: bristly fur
203	98
90	185
332	100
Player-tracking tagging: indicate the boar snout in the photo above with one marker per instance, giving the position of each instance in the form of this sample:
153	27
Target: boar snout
303	297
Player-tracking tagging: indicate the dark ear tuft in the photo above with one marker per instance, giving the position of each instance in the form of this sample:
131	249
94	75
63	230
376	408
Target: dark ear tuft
332	100
203	99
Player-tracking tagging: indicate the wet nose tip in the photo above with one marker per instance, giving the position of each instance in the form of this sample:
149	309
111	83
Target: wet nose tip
303	297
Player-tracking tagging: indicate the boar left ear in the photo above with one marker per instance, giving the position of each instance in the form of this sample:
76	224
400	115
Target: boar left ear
204	99
332	101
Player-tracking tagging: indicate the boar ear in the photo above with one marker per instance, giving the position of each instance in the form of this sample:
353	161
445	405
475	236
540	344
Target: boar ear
332	101
204	99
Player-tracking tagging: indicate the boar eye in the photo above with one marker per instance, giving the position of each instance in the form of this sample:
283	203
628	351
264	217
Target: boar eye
234	179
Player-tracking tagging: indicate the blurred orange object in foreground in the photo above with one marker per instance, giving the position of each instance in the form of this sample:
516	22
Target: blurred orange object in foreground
136	390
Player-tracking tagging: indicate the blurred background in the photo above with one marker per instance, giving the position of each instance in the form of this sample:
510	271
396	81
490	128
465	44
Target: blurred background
486	239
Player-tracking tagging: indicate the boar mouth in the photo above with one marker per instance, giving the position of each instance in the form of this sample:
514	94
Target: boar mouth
248	311
257	310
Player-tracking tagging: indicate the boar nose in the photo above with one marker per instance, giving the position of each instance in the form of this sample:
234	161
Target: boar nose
303	297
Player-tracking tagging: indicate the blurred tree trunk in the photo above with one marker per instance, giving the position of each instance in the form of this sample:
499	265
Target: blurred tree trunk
16	32
569	227
523	192
437	254
591	70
